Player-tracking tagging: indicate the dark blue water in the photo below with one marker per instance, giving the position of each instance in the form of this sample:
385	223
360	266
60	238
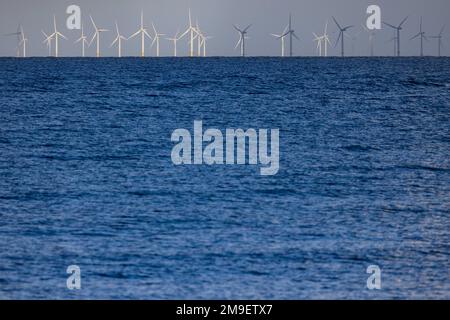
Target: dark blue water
86	178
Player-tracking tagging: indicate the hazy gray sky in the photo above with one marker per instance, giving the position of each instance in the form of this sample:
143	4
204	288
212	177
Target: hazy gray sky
216	18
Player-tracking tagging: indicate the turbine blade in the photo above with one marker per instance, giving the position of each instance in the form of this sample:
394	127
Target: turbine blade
238	43
93	23
389	25
295	36
114	42
61	35
337	23
339	38
245	30
185	33
416	36
401	23
146	33
134	34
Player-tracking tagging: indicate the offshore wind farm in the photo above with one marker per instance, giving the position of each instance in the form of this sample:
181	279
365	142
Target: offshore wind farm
196	39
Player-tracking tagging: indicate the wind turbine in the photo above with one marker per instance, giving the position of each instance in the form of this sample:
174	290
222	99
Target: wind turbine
204	39
342	33
200	40
118	39
97	36
319	43
292	34
439	37
23	42
371	38
56	34
143	32
242	37
281	37
156	39
48	41
18	40
191	30
325	39
422	36
398	29
175	39
83	40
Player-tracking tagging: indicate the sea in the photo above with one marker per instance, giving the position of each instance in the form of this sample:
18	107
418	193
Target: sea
87	179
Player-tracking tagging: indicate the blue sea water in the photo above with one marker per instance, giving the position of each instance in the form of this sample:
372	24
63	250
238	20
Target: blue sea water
86	179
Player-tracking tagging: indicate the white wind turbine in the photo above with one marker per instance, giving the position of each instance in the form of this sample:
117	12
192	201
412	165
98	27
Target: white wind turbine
319	43
118	40
281	37
323	38
83	40
203	44
202	39
143	32
23	42
56	34
97	36
242	37
193	35
156	39
48	42
175	39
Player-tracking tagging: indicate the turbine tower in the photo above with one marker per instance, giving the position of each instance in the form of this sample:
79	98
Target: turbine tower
83	40
23	42
292	34
371	39
56	34
439	37
97	36
48	42
422	36
118	40
242	37
143	32
281	37
342	34
190	30
175	39
203	43
156	39
398	29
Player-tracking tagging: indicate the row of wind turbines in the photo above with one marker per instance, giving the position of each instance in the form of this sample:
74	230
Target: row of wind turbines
195	34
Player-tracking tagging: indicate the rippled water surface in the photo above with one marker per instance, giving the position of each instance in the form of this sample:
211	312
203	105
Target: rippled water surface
86	178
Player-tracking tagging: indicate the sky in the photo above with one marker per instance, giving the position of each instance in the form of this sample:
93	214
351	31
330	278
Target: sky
216	18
